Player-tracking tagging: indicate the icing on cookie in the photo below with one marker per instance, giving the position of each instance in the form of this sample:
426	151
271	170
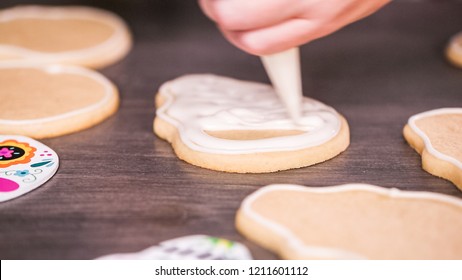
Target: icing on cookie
296	244
195	104
428	144
106	31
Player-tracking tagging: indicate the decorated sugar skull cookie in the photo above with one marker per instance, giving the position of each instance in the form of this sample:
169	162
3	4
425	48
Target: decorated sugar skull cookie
25	164
194	247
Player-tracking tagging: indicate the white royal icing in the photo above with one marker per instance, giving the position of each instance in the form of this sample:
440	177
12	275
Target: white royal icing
56	69
294	243
199	103
428	144
118	38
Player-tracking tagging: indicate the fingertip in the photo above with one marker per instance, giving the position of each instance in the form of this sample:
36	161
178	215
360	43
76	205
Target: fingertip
277	38
206	7
239	15
229	15
251	44
223	13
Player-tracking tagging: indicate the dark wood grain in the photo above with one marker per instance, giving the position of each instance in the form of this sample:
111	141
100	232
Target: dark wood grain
120	189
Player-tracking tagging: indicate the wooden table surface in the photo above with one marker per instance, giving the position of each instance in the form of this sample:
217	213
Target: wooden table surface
121	189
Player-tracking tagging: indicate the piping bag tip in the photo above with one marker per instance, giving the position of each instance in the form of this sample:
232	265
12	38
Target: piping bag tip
283	69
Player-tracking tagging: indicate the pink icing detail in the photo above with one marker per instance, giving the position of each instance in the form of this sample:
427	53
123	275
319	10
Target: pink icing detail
41	155
8	185
49	154
6	153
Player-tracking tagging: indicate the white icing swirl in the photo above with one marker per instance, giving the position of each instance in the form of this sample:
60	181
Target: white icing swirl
195	104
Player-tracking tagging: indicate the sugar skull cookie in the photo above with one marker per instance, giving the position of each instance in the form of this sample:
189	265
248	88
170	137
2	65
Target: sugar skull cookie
193	247
25	164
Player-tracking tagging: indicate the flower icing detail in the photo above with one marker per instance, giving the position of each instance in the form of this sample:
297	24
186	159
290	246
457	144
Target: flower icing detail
13	152
5	152
21	173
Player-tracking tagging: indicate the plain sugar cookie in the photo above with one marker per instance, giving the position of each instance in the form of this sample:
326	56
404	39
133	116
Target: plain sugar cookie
49	101
353	221
230	125
454	50
73	35
437	136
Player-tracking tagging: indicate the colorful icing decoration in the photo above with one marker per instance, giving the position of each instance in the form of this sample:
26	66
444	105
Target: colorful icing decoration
8	185
197	104
13	152
194	247
22	169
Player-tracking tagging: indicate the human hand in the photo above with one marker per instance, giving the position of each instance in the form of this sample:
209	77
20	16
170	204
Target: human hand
264	27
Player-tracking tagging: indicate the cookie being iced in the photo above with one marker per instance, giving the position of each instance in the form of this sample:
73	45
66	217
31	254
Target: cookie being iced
437	136
49	101
454	50
353	221
230	125
76	35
